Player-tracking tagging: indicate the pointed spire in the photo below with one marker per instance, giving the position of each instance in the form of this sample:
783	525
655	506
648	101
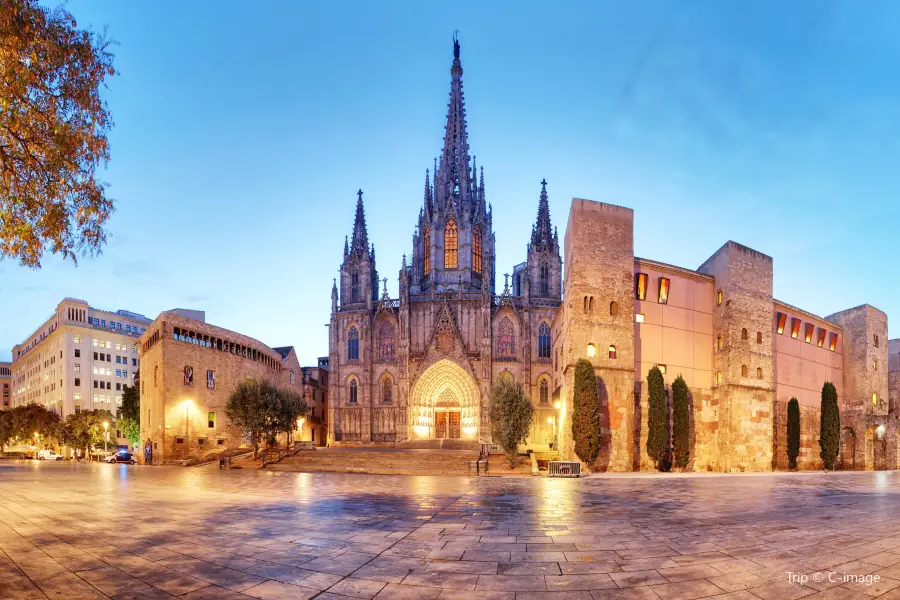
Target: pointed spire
429	198
359	247
454	162
346	248
542	232
481	189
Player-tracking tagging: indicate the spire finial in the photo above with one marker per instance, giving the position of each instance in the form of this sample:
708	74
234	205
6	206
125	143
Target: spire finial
456	44
544	184
359	243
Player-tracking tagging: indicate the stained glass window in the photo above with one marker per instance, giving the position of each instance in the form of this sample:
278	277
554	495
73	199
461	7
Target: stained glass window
451	239
353	344
354	287
426	250
506	340
354	391
544	341
545	391
387	390
386	341
545	280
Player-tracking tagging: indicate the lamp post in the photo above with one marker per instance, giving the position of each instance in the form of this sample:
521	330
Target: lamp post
37	443
106	437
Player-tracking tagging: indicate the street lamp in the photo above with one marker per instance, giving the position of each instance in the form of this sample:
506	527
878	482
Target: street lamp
37	442
106	437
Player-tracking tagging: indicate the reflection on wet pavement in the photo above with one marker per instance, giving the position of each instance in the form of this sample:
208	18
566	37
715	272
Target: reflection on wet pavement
95	531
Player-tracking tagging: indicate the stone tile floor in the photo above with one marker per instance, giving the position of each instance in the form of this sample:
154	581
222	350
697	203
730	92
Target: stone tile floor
96	531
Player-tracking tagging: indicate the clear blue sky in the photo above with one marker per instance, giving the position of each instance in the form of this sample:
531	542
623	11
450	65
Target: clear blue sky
244	130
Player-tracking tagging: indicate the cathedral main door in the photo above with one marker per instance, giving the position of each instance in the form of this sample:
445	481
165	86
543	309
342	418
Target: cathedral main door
447	424
444	403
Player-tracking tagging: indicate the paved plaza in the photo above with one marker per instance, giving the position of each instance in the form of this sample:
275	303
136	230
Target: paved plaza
94	531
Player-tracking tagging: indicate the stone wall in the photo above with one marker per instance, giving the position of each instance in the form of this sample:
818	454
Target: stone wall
599	258
809	458
894	376
743	366
865	348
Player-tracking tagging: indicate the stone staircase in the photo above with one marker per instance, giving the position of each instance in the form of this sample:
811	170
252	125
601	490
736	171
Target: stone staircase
382	462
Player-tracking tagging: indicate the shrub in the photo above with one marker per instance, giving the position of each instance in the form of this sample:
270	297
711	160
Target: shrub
681	428
793	432
830	426
657	416
586	414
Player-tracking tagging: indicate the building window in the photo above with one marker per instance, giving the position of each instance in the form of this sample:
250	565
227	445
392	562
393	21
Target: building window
744	334
611	351
875	364
663	290
179	440
211	420
353	391
875	398
591	350
77	353
211	379
386	341
662	369
451	239
795	328
759	337
155	374
613	308
744	370
354	287
544	341
720	295
545	280
810	328
876	341
77	367
639	318
780	321
353	344
387	390
759	373
718	342
718	377
291	377
506	340
476	250
640	286
544	392
426	251
77	382
821	341
832	342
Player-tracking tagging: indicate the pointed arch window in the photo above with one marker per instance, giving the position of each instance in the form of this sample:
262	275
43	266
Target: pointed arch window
386	341
545	279
476	250
506	340
545	392
354	391
451	247
387	390
353	344
426	251
544	341
354	287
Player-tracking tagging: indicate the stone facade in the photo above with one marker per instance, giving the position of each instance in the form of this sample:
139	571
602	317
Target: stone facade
315	391
418	369
189	368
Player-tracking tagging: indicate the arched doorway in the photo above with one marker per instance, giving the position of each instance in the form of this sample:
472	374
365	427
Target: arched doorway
879	449
444	403
848	450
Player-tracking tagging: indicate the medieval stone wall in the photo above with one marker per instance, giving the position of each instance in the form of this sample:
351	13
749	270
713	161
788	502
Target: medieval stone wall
865	348
894	376
809	458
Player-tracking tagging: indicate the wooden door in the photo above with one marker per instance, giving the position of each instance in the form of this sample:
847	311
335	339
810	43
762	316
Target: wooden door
454	425
440	424
880	458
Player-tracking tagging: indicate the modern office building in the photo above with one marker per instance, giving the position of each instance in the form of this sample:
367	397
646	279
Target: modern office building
5	385
79	358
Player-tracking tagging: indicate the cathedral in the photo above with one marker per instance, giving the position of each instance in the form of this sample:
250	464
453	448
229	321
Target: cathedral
421	367
417	371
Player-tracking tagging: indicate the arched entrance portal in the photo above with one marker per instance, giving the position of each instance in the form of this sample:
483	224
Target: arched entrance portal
444	403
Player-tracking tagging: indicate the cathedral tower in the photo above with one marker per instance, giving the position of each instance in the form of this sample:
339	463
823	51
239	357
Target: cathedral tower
359	278
544	265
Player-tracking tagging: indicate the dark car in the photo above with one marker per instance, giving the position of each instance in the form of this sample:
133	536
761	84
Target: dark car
121	457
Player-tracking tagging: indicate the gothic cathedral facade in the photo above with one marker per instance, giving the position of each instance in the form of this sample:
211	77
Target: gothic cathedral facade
418	370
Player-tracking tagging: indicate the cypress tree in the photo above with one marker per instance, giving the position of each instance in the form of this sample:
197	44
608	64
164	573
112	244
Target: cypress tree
681	430
657	416
793	432
586	415
830	426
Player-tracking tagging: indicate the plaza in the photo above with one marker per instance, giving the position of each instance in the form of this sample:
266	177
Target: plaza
96	531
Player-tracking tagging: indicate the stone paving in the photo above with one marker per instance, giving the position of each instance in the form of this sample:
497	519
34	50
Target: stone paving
96	531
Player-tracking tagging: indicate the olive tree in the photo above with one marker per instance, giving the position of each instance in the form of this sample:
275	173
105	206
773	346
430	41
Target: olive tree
511	415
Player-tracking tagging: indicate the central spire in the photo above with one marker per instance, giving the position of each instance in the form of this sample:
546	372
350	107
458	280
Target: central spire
542	235
453	177
359	245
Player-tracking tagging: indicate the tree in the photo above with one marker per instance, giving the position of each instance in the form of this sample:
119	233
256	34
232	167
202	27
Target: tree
830	426
53	134
681	428
128	417
262	411
28	419
85	429
793	432
586	430
511	414
657	416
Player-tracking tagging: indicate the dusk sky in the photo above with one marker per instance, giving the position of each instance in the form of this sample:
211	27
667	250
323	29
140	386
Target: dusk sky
243	130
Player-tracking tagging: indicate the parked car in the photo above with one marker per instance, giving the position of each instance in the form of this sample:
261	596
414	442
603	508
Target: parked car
49	455
121	457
